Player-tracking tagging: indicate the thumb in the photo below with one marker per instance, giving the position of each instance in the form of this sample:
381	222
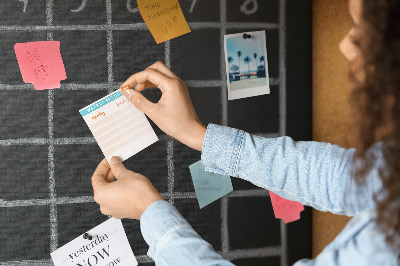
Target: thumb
138	100
117	167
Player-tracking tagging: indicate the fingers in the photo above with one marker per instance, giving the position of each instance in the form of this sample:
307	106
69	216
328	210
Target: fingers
110	177
139	101
100	174
151	75
117	167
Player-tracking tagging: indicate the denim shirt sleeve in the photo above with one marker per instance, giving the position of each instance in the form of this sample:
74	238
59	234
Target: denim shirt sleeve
312	173
172	241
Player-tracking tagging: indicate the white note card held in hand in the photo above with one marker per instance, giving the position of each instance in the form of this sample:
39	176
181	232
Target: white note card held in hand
109	246
118	126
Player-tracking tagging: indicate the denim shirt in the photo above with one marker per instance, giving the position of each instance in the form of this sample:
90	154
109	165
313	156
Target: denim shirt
314	174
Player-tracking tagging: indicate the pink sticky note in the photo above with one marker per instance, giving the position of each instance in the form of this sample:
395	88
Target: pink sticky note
288	211
41	63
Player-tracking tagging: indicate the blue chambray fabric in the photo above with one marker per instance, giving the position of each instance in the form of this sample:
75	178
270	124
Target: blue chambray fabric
314	174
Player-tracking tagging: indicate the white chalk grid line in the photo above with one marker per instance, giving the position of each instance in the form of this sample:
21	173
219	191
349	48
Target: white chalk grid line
53	200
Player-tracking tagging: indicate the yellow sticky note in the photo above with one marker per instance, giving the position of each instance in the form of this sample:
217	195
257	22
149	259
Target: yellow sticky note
164	18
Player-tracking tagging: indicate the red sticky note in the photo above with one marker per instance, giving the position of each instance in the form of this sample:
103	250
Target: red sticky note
41	63
288	211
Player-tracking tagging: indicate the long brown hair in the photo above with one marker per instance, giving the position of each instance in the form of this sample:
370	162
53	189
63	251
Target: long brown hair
375	101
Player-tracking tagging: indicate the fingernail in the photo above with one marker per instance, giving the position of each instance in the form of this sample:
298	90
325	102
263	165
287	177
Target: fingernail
115	160
129	92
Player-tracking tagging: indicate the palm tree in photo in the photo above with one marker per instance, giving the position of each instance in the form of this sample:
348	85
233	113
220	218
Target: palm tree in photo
247	60
230	60
239	54
262	59
255	58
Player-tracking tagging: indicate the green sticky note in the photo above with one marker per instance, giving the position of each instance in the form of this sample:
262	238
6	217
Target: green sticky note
209	186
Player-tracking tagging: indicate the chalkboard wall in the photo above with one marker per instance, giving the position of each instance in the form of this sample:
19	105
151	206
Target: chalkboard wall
48	155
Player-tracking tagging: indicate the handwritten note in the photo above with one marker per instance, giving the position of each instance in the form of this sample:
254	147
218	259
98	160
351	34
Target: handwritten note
41	64
118	126
164	18
288	211
209	186
109	246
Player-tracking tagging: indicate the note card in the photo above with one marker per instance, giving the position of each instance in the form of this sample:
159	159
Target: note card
164	18
209	186
118	126
288	211
41	64
108	246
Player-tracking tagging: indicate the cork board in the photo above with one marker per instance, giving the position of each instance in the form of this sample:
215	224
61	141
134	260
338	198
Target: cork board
331	88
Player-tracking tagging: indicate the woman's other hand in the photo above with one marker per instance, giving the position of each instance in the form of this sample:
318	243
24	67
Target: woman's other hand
127	197
174	112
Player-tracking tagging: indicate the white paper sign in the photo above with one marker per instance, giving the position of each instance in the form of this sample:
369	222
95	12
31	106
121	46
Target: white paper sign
118	126
109	247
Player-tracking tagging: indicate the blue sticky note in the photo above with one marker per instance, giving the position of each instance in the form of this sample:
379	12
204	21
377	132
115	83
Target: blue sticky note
209	186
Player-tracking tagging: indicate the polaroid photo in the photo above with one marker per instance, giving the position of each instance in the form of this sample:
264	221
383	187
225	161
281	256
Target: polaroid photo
246	64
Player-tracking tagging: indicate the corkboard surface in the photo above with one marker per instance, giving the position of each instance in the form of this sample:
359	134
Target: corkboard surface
331	88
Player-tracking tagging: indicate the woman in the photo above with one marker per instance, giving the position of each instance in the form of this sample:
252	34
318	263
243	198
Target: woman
316	174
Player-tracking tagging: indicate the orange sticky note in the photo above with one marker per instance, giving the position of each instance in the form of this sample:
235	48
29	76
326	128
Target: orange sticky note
164	18
288	211
41	63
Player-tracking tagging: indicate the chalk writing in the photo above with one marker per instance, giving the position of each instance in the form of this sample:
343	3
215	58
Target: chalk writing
192	5
25	4
79	9
129	7
245	7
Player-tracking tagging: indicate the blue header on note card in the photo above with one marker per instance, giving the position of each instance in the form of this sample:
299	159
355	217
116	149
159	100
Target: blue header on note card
100	103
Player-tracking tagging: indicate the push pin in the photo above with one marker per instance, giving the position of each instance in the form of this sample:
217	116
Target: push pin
88	236
246	36
127	87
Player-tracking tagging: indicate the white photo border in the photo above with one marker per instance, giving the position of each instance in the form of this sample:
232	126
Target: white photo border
248	92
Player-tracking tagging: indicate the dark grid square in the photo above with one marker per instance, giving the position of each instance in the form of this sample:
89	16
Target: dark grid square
273	261
206	222
131	55
252	223
183	157
11	74
210	97
24	172
74	167
24	114
12	13
94	12
152	163
125	12
240	184
85	55
135	238
256	114
272	42
245	11
76	219
68	122
25	233
190	61
200	10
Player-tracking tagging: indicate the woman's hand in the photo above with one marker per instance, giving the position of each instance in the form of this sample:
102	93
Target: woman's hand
174	113
128	197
